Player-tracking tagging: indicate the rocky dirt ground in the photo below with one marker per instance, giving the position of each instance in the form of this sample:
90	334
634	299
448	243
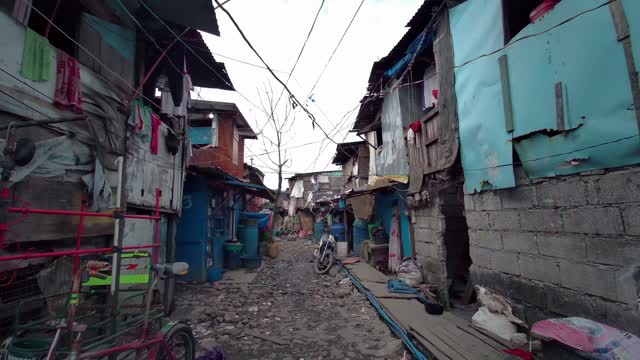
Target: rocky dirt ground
287	312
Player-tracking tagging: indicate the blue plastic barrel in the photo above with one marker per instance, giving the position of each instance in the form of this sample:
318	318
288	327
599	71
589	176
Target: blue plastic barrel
232	259
360	234
318	229
337	230
249	236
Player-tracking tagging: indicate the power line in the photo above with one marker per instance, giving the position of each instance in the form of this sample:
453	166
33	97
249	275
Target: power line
302	49
335	49
244	37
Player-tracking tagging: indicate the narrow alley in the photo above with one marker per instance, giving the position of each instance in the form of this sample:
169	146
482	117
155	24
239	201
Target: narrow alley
287	312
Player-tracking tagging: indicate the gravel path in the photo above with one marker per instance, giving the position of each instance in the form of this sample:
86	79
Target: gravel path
296	314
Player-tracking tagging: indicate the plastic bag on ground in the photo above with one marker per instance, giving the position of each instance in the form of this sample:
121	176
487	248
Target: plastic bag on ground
410	272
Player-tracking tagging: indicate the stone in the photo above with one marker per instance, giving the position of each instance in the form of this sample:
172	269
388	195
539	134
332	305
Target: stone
253	309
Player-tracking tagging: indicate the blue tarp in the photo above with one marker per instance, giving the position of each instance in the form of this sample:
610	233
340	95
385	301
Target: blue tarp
120	38
263	218
416	46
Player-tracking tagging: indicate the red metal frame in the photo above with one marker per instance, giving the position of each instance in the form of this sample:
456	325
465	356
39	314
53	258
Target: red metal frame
5	194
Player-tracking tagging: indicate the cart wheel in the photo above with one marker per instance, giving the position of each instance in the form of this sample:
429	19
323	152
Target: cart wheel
181	342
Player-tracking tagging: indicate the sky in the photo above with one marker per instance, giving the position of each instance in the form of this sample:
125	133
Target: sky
277	29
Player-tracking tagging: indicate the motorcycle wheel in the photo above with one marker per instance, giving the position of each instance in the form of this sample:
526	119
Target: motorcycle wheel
323	266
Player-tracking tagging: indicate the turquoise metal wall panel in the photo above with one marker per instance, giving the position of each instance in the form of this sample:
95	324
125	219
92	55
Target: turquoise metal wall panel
583	54
199	135
632	10
392	159
586	57
486	149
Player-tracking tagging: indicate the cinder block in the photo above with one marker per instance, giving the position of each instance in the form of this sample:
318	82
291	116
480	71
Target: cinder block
592	191
563	246
619	187
431	222
506	262
570	303
478	219
523	197
487	200
631	215
539	268
504	220
562	193
468	202
628	282
481	257
427	235
428	249
491	279
541	220
485	239
621	316
527	291
595	280
520	241
593	220
613	251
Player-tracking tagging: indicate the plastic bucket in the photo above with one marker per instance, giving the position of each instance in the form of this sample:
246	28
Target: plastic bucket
232	258
214	274
343	249
248	234
28	349
337	230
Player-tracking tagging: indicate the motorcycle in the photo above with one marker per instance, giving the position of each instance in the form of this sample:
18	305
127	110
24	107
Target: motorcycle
325	254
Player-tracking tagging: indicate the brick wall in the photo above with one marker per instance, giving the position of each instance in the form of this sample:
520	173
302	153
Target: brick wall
565	246
222	156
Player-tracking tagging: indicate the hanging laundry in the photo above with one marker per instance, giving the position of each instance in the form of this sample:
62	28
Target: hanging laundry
36	58
22	11
68	87
132	120
167	105
181	110
416	126
155	129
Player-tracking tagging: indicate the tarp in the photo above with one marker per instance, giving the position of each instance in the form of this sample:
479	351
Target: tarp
120	38
298	189
422	41
263	218
592	339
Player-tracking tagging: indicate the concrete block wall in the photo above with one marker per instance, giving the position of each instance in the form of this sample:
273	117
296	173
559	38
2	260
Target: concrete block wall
564	246
440	236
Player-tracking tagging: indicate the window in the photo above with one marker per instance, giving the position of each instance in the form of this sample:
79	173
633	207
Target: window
236	141
430	88
516	16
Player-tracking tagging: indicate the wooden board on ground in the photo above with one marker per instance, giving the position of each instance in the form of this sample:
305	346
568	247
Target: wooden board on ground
440	330
366	272
350	260
380	291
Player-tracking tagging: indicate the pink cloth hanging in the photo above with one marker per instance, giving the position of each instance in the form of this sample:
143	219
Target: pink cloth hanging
68	90
155	129
395	246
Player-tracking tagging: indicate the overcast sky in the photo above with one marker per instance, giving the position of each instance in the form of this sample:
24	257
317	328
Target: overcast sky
277	29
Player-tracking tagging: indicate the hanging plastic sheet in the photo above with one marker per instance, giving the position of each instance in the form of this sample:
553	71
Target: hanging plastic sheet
422	41
120	38
298	189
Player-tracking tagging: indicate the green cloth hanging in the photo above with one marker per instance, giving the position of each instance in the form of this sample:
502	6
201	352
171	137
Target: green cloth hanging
36	58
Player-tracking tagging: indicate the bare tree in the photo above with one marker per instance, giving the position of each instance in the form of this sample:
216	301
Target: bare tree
278	118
